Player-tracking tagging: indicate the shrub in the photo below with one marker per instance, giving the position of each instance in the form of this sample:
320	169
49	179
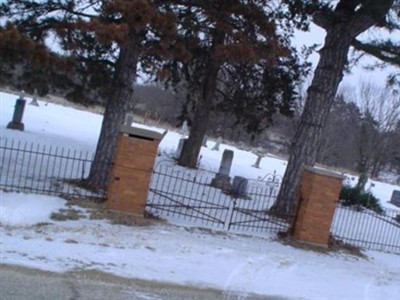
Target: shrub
353	196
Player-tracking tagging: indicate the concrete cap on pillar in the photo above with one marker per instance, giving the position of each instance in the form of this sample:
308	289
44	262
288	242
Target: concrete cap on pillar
324	172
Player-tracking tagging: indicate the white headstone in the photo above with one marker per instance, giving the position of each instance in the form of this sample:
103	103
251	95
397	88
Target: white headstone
222	180
217	144
34	98
204	143
185	129
128	119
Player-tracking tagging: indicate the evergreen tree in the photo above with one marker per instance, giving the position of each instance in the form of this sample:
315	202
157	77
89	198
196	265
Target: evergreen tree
234	61
105	40
342	23
385	48
27	65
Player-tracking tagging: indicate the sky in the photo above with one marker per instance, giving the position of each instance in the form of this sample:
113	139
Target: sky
357	73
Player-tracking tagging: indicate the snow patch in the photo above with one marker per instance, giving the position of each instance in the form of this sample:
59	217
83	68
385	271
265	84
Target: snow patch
19	209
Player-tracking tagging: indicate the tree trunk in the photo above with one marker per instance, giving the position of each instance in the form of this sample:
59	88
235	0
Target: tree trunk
191	149
204	106
321	93
377	167
119	102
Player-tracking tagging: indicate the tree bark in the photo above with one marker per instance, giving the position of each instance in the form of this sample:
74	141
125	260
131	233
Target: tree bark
204	106
192	147
320	95
119	102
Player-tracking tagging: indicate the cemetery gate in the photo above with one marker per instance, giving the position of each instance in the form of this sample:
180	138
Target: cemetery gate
187	196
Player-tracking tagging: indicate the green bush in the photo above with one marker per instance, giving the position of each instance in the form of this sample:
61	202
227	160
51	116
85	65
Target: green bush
352	196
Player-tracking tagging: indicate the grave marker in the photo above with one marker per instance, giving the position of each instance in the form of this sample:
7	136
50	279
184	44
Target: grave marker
185	129
16	122
395	200
217	144
129	119
239	186
204	143
34	101
258	161
179	150
222	180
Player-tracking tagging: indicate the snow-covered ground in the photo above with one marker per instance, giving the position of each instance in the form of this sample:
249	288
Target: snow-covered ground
51	124
188	256
169	253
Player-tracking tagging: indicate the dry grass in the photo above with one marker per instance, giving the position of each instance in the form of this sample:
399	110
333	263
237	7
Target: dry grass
334	246
66	214
98	211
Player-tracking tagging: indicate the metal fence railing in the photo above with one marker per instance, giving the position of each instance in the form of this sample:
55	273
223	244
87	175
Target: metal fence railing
44	169
367	228
188	196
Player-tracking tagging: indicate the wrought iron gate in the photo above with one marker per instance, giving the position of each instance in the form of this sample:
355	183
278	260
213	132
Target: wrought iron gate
186	196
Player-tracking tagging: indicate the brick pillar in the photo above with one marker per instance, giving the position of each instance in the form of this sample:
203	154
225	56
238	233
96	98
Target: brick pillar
319	194
132	169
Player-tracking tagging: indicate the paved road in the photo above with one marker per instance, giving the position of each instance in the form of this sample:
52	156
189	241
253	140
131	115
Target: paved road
18	283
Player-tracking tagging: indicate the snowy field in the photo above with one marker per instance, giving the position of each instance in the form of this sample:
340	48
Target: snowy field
171	253
51	124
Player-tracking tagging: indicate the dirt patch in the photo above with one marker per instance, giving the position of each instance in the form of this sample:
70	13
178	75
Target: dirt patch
339	245
66	214
97	210
123	218
334	246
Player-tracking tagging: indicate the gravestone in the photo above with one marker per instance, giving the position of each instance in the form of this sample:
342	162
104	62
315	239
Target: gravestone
362	181
260	154
128	119
239	186
178	152
34	101
395	200
204	143
16	122
185	129
222	180
258	161
217	144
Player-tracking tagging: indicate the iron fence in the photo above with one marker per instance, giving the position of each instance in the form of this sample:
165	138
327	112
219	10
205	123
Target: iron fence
367	228
44	169
189	196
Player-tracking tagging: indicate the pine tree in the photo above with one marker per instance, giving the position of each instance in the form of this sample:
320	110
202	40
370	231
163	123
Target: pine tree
342	24
106	40
27	65
384	48
232	49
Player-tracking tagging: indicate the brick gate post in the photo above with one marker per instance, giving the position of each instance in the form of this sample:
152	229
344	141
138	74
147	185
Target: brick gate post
319	194
132	168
